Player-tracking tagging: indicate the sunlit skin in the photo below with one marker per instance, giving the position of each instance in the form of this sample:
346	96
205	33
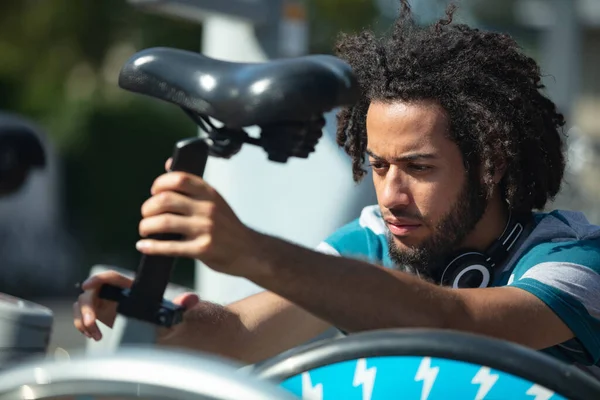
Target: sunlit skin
308	292
418	173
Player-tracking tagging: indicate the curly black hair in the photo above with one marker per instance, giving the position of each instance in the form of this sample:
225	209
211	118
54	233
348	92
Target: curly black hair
490	90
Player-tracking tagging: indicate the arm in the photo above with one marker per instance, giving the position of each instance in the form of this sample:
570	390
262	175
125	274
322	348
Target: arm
349	294
249	330
356	296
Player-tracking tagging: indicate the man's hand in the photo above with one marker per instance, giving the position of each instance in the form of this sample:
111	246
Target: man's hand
350	294
89	308
185	204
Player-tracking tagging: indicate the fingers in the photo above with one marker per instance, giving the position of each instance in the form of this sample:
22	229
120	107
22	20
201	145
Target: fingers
188	227
88	314
168	164
88	306
78	320
187	300
107	277
185	183
176	203
168	248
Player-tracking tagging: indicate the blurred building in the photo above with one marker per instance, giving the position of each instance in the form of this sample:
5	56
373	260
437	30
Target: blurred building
36	252
569	33
564	36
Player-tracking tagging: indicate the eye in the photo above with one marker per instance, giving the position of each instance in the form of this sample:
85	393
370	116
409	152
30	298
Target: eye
419	167
377	165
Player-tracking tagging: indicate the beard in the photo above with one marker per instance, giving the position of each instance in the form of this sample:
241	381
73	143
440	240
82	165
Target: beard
429	259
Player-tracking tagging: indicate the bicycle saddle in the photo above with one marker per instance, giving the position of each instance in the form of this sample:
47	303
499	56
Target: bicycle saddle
242	94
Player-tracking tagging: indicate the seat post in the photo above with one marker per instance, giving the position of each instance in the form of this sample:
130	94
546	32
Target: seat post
144	302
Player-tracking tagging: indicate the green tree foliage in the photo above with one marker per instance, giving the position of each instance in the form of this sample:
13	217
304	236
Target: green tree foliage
330	17
59	63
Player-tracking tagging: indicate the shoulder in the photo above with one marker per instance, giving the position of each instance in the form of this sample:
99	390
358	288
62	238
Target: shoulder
565	275
570	268
363	237
582	252
558	237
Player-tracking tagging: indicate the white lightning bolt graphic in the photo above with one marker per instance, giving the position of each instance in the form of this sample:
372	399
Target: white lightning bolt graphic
366	377
426	374
540	392
485	380
310	392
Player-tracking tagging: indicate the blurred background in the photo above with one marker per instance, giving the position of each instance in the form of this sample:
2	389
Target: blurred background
59	65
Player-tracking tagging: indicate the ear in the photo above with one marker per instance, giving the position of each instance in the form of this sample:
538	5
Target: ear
499	172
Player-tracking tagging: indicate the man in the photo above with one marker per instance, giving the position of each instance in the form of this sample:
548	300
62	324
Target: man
463	147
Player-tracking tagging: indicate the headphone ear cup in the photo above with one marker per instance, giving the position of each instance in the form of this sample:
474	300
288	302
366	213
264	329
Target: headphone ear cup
468	270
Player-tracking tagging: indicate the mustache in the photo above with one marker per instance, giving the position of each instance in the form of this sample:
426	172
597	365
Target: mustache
402	214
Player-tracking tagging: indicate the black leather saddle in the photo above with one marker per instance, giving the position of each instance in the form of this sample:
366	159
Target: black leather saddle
242	94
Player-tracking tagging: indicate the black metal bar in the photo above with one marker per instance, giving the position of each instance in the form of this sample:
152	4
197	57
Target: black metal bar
145	299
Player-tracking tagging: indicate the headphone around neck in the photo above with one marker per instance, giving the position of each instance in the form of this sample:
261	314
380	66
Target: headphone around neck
473	269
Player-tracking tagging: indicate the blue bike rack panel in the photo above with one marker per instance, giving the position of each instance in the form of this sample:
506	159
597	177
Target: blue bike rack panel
425	364
412	377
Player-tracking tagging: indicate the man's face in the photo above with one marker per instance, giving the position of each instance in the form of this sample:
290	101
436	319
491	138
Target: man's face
426	198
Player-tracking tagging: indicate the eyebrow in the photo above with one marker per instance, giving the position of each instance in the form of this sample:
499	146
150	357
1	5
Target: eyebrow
405	157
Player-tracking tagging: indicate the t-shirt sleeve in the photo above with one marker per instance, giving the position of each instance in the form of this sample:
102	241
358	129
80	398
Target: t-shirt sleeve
360	239
566	277
347	241
326	248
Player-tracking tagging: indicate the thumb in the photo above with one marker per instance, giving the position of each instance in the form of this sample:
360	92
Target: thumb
187	300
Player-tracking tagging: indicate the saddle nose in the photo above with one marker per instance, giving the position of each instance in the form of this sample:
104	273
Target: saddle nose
242	94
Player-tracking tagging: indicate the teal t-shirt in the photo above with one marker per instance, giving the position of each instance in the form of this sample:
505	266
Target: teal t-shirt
557	260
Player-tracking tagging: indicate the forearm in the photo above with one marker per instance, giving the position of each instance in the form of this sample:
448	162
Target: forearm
357	296
248	330
273	324
354	295
208	327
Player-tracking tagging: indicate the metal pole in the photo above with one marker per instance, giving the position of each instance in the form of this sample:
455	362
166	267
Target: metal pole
303	201
561	55
561	67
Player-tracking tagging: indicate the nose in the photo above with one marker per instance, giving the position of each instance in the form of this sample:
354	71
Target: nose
393	190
